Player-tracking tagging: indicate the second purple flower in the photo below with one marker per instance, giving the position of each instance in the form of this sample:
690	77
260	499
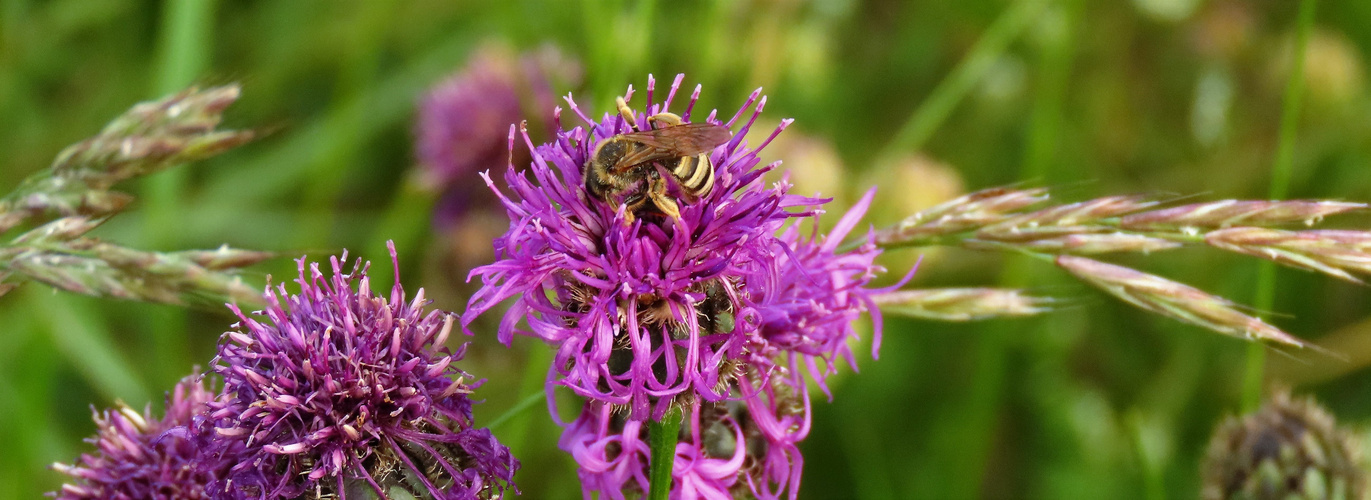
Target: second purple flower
339	390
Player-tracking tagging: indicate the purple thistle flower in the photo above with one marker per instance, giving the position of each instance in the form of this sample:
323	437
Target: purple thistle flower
612	451
727	304
141	457
334	390
462	120
805	303
610	295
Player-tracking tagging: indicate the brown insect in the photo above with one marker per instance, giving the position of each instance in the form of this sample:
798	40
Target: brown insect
681	150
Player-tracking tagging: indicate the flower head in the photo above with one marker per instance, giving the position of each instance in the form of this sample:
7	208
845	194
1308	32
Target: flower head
641	308
728	305
139	456
337	388
1289	449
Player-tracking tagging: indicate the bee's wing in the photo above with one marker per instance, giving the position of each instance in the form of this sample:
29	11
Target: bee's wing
644	155
687	139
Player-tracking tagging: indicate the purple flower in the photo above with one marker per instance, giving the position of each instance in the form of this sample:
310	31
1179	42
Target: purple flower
804	305
744	449
612	451
141	457
335	390
728	304
462	120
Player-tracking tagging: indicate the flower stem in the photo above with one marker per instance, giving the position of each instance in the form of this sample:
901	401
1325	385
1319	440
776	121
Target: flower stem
662	435
1280	186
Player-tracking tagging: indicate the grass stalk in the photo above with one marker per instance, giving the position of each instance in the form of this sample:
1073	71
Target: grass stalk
345	127
185	46
1281	171
518	409
78	336
935	109
521	425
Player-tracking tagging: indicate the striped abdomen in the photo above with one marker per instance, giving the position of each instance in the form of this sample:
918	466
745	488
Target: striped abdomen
695	174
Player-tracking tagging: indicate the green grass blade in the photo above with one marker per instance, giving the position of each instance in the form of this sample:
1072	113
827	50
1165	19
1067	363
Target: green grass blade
950	91
1280	185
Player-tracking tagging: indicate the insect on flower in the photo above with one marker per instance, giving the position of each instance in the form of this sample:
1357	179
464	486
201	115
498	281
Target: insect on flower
625	161
729	304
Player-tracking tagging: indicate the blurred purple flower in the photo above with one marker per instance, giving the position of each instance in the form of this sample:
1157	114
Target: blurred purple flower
728	303
462	120
140	457
340	389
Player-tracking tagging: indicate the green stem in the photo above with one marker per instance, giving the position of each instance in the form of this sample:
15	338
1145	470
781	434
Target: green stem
77	331
1281	171
186	39
662	435
332	165
950	91
1008	248
535	375
986	392
1154	484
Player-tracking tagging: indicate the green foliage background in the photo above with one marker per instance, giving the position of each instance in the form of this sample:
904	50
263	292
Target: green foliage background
1097	400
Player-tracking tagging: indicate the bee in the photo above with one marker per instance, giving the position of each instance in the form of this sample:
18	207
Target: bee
670	147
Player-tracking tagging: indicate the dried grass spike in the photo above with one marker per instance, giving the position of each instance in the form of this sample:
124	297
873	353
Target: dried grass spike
1331	252
1226	213
962	304
1176	300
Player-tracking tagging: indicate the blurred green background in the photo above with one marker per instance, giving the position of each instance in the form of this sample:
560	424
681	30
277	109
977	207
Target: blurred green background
929	99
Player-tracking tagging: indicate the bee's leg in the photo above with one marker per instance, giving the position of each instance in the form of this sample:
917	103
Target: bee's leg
666	119
626	113
635	202
657	191
632	205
